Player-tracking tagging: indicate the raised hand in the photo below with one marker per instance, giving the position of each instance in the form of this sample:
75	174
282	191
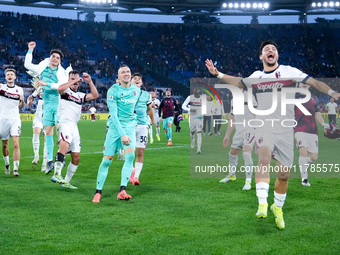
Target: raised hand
212	69
31	46
87	77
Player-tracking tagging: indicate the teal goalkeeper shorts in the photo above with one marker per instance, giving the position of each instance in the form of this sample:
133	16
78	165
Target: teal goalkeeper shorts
50	116
166	121
113	142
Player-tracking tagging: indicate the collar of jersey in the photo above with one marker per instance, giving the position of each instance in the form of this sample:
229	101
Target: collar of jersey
271	71
10	86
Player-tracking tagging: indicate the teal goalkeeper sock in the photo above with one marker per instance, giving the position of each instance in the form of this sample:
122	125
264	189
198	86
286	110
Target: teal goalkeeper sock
127	168
49	147
102	173
167	134
170	132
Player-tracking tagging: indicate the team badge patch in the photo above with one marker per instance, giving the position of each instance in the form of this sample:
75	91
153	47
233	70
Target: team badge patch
111	98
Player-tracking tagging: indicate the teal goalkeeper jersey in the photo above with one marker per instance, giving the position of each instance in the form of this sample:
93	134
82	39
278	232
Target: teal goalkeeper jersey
50	76
122	102
142	108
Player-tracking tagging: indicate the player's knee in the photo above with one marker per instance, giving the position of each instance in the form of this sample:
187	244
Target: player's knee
233	159
247	158
129	157
59	157
283	178
264	160
313	157
75	160
16	145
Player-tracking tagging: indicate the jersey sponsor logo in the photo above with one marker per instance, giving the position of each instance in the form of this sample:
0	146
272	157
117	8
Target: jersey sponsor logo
9	95
128	101
271	85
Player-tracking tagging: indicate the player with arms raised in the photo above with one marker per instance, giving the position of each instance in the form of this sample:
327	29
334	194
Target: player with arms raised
69	112
277	142
52	75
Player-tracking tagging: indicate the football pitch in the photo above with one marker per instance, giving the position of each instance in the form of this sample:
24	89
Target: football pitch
170	212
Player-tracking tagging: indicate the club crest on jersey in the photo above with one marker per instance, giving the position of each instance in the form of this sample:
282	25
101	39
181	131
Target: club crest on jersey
278	75
134	93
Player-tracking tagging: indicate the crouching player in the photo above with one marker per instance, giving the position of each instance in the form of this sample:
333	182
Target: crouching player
69	112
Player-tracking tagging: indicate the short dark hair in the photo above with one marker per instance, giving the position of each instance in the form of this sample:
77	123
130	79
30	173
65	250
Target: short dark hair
137	74
73	72
123	65
61	54
10	70
263	44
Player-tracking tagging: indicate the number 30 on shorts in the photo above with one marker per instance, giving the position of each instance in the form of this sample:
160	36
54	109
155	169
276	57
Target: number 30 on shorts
143	139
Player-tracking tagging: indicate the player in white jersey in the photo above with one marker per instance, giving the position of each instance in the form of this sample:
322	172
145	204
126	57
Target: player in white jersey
93	111
69	112
155	105
244	138
193	104
278	141
37	128
11	99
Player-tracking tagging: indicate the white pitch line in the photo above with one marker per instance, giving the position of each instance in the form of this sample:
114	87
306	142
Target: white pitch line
100	152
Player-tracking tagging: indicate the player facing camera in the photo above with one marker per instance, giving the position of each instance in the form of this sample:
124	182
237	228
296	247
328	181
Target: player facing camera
75	76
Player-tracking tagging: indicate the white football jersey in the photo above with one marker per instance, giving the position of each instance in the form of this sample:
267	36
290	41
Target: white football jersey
155	110
9	101
194	103
263	84
38	111
70	105
244	118
92	110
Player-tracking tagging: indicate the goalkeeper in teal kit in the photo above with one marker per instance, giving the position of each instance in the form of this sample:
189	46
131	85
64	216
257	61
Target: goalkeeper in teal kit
121	99
51	75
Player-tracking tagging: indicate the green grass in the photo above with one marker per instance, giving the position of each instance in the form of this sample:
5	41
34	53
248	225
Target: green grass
170	212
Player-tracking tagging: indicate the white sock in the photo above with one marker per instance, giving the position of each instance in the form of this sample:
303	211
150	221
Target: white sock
58	166
192	136
158	129
36	145
262	192
71	169
150	132
199	141
303	163
248	164
279	199
6	159
233	162
45	154
16	165
138	169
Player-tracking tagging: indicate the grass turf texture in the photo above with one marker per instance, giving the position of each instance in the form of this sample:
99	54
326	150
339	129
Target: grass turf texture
170	212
